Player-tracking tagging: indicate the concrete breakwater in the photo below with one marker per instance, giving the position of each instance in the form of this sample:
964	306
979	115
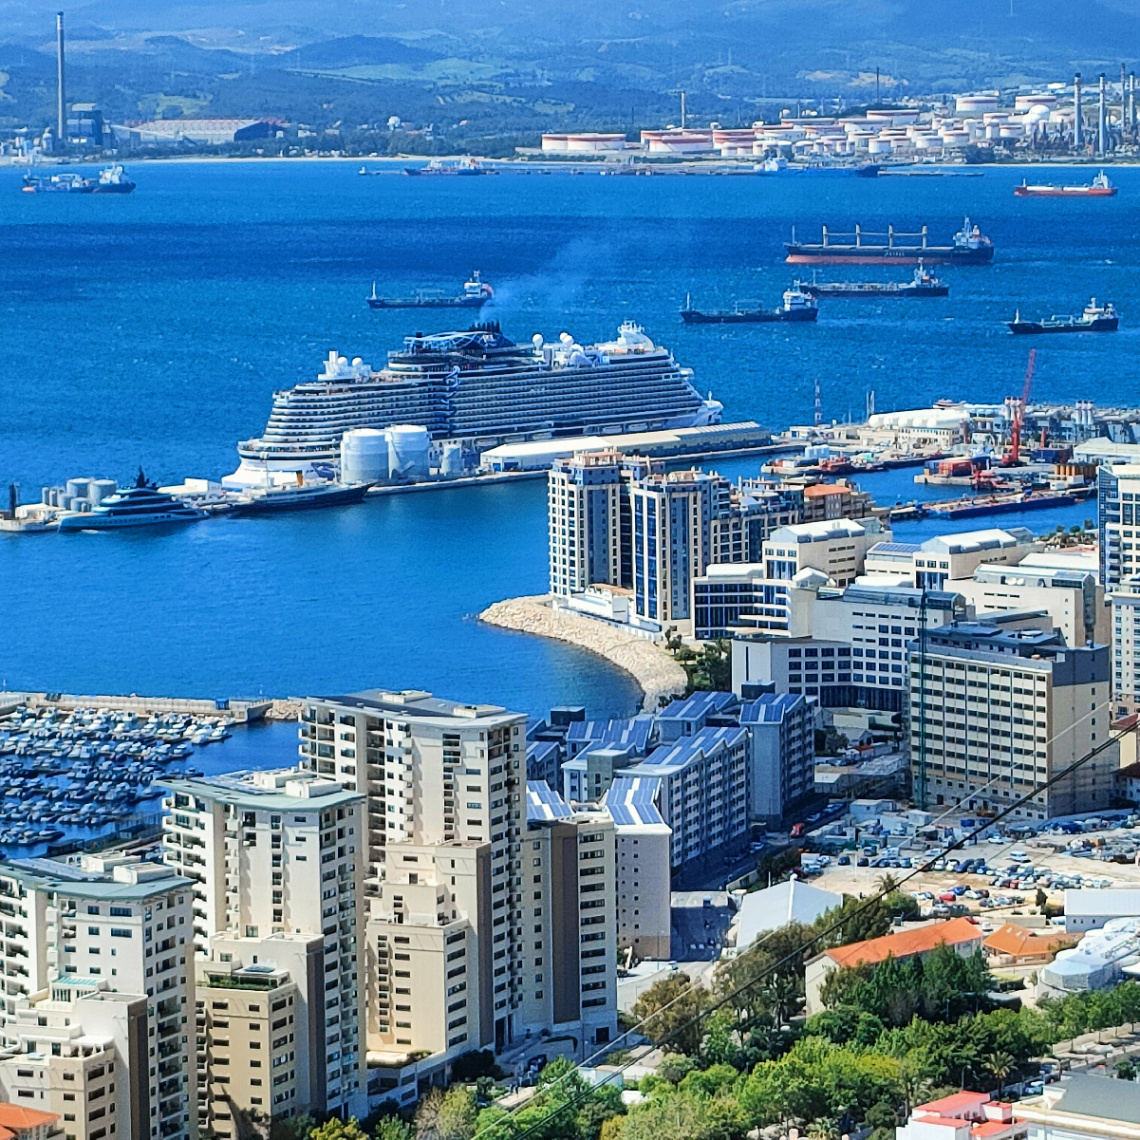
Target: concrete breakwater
647	662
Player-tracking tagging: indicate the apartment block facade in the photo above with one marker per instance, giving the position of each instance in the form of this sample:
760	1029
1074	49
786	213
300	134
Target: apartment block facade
995	713
96	1023
276	856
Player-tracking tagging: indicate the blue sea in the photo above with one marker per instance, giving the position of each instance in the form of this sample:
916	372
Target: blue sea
153	329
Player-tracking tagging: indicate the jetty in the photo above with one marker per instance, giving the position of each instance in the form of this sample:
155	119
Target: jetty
647	662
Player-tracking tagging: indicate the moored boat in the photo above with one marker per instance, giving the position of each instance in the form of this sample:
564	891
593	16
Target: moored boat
969	246
476	293
140	505
922	284
1099	187
112	180
797	306
1094	318
298	497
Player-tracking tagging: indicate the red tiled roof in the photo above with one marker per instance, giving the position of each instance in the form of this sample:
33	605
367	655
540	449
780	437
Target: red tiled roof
17	1117
955	1102
905	944
1019	942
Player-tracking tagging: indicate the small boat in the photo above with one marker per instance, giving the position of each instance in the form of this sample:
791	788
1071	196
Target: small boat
797	306
1099	187
476	293
922	284
449	166
1095	318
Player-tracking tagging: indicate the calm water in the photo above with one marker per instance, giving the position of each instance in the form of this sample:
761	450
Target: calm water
153	329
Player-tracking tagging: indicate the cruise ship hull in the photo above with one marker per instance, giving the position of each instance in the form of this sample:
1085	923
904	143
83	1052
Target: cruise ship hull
93	520
301	499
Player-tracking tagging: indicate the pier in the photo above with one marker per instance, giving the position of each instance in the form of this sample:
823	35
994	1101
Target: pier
238	710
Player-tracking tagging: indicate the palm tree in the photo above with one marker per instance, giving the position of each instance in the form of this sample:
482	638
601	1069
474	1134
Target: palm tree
887	883
999	1065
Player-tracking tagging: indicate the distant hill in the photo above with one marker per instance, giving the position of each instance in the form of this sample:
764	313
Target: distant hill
353	51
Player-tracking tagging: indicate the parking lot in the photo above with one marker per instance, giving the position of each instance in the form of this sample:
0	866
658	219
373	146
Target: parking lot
997	876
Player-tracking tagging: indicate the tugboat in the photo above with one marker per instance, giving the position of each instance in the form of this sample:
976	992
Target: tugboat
112	180
798	306
476	293
923	284
1095	318
1099	187
140	505
969	246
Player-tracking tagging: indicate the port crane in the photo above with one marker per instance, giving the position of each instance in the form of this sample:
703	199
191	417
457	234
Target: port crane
1012	457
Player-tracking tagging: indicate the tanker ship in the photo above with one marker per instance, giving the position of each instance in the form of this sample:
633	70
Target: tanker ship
867	247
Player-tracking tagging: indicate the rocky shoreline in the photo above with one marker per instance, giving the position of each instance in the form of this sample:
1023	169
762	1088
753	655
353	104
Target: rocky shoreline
647	662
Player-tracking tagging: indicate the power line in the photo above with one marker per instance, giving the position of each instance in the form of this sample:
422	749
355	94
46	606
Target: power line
731	995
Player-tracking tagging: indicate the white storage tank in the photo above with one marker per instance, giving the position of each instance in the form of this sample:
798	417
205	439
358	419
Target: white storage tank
77	488
972	104
364	455
451	460
409	452
101	489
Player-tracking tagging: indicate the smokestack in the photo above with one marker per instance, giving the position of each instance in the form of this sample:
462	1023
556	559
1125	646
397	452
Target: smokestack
61	107
1132	100
1078	125
684	116
1102	124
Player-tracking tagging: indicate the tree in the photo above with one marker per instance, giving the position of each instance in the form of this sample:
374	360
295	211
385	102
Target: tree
393	1128
1041	899
473	1064
336	1129
886	883
669	1013
999	1065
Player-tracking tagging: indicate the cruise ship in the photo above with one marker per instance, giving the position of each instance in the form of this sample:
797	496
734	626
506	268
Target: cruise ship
480	389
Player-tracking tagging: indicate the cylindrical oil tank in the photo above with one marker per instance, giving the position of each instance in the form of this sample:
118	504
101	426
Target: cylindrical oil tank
101	489
451	461
80	504
409	452
364	456
65	501
77	488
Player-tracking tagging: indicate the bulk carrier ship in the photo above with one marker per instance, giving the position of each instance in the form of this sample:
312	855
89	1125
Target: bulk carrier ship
865	247
478	388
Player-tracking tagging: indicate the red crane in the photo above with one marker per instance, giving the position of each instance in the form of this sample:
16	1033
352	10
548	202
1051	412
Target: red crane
1013	456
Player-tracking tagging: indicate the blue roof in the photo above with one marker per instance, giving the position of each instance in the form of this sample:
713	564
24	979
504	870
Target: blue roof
670	759
537	749
544	805
697	705
630	800
896	548
632	733
769	708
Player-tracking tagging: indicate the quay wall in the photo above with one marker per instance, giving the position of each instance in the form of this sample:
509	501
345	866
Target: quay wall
647	662
240	710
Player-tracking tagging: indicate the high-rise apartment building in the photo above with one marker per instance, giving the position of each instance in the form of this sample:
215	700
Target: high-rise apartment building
277	860
436	773
96	1022
995	713
584	511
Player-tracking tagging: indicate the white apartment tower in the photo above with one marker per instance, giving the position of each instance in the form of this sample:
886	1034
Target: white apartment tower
96	1021
584	495
278	863
436	774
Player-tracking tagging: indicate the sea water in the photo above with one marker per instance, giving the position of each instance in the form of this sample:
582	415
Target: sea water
153	329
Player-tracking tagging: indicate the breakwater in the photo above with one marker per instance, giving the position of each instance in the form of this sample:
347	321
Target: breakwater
647	662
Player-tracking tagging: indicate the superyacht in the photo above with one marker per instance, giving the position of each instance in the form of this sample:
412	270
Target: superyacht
480	389
140	505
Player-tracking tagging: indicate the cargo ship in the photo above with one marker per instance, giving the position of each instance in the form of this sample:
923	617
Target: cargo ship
797	306
1094	318
445	167
112	180
996	504
862	247
476	293
1099	187
923	284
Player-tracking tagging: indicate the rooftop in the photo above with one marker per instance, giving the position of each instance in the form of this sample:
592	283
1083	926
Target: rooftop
150	880
1099	1098
285	789
790	901
973	541
1021	942
543	805
769	708
670	759
906	943
415	703
630	802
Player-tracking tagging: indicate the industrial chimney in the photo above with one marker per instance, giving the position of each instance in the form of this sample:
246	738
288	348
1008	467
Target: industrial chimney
1078	125
1102	125
61	106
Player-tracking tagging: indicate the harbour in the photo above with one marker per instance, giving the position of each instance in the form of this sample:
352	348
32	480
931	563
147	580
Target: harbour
228	592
